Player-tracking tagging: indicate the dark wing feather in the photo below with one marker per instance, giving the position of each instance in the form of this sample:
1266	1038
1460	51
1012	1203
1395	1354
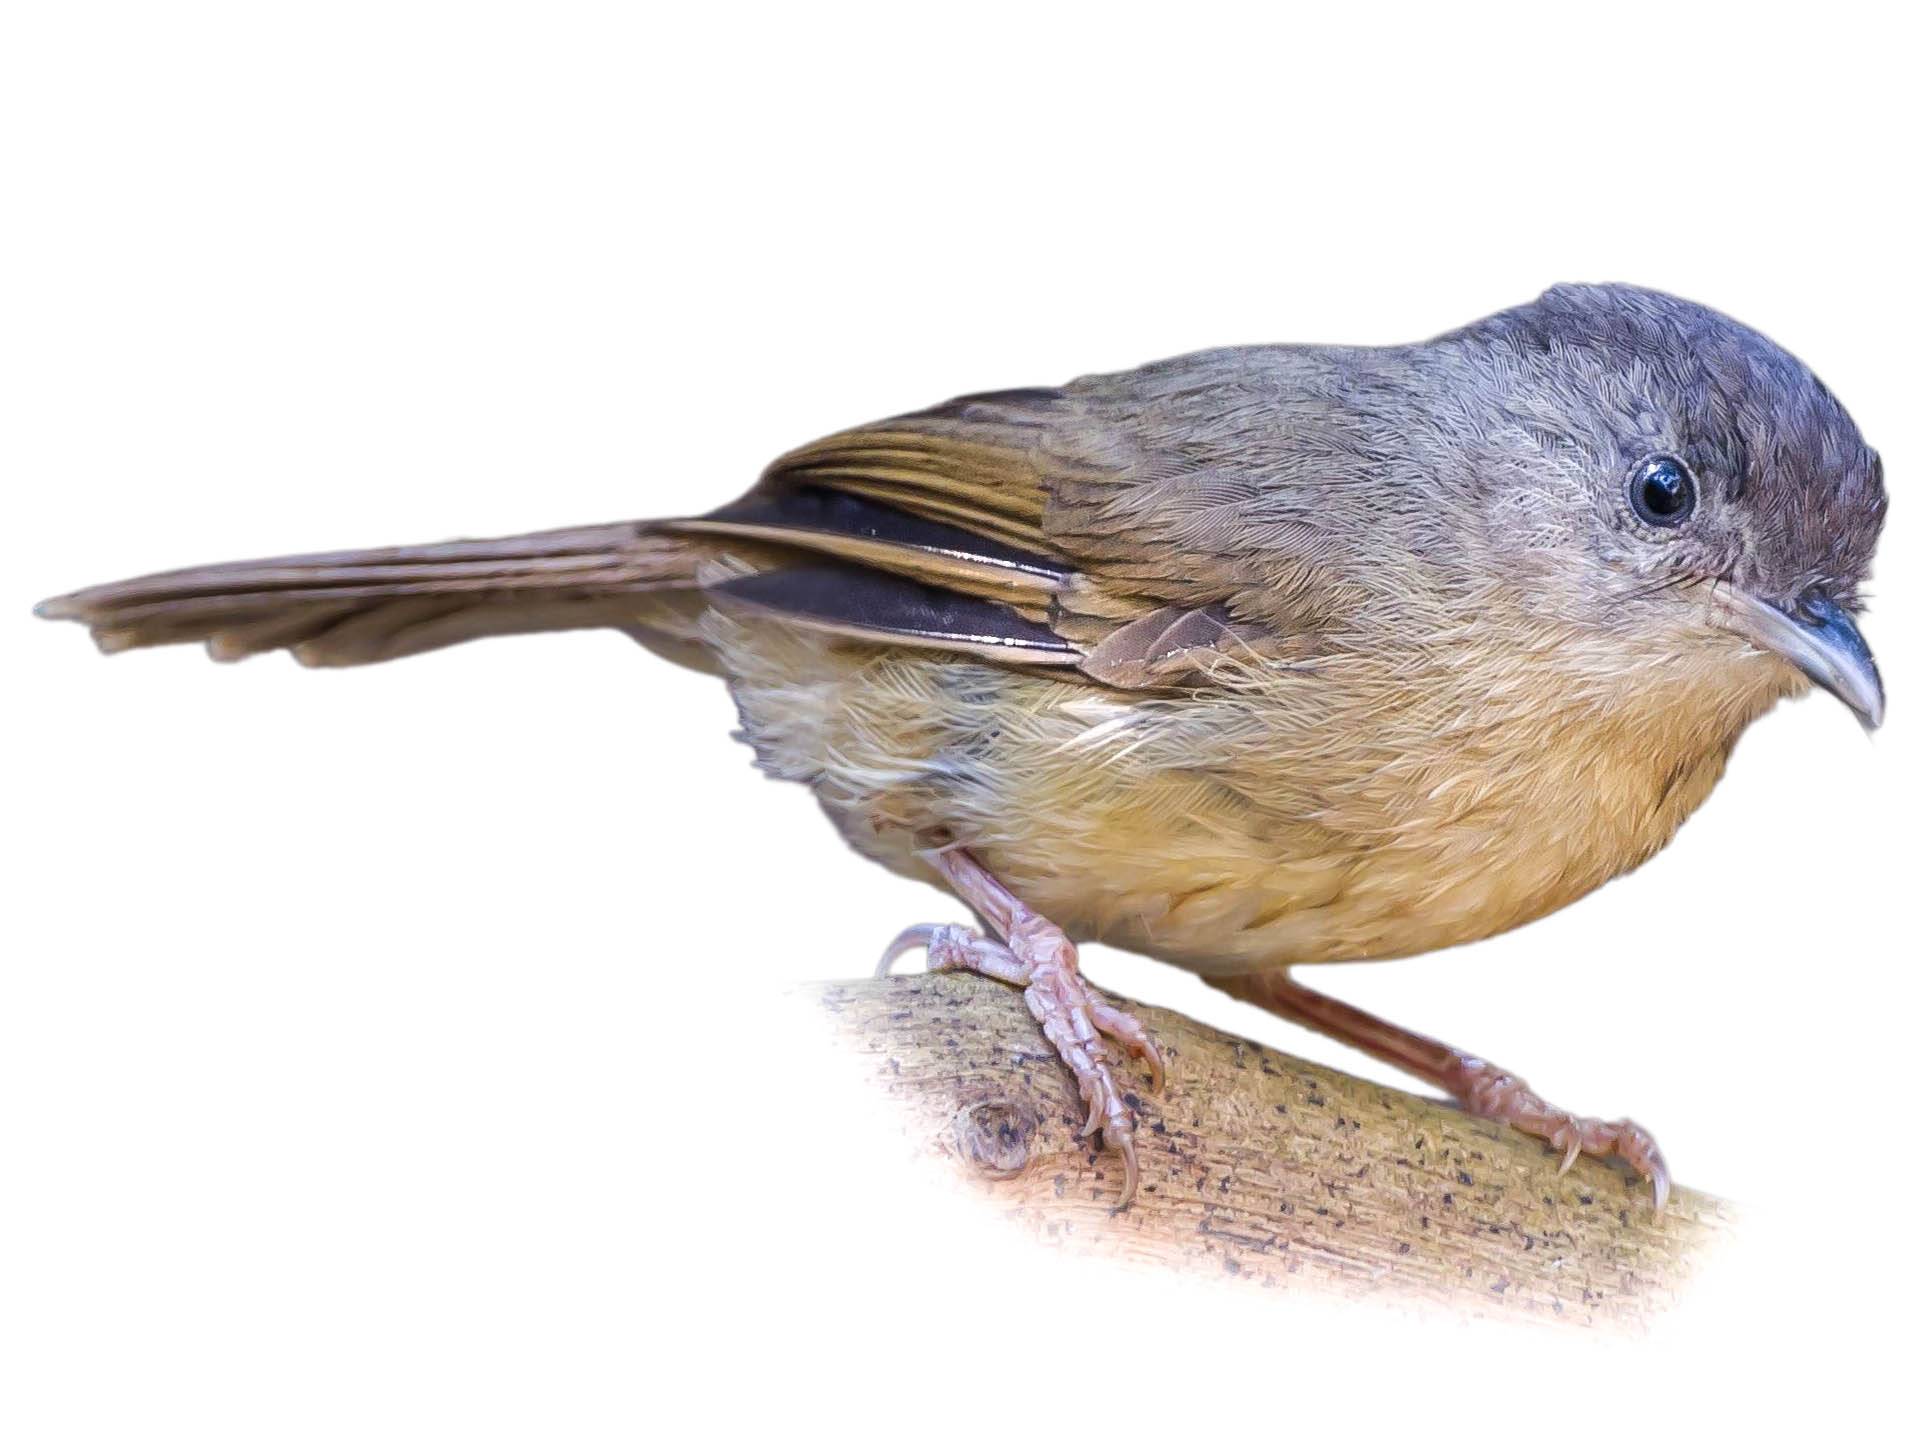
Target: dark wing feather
842	525
865	603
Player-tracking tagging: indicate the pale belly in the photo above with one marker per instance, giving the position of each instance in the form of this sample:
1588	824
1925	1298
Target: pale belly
1225	835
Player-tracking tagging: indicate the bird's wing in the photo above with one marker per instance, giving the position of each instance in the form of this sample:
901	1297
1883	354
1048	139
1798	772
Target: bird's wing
1142	528
1077	528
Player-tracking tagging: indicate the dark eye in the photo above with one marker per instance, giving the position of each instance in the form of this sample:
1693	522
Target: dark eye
1662	492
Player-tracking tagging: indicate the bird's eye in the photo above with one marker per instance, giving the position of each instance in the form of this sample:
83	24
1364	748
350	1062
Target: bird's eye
1662	492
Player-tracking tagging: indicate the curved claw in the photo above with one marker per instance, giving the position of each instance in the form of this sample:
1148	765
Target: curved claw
912	937
1093	1115
1132	1183
1123	1028
1569	1157
1144	1048
1638	1148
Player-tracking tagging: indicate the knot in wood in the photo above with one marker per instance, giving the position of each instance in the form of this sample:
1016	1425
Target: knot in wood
995	1136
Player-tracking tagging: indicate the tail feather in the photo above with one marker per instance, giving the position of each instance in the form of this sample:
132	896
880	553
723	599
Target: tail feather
381	603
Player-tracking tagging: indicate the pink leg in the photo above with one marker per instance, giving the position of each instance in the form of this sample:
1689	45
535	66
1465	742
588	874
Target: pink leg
1038	958
1483	1089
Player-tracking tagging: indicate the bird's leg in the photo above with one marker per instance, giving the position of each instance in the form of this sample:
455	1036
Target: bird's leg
1037	957
1484	1089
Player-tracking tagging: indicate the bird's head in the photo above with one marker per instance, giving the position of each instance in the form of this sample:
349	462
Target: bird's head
1684	486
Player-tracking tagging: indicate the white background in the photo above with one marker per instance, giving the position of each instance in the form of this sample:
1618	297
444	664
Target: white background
380	1051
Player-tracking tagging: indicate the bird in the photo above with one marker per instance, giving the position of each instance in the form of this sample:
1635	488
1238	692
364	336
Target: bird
1248	660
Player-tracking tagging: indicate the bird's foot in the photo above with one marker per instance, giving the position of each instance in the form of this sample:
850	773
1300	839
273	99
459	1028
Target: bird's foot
1491	1092
1039	959
1482	1089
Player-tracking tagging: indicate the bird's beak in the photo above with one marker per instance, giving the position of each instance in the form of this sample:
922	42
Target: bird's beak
1819	638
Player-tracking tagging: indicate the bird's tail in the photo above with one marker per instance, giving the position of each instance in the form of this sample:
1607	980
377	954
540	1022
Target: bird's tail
381	603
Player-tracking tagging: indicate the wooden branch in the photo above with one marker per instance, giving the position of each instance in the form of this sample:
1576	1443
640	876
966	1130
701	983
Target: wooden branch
1258	1165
